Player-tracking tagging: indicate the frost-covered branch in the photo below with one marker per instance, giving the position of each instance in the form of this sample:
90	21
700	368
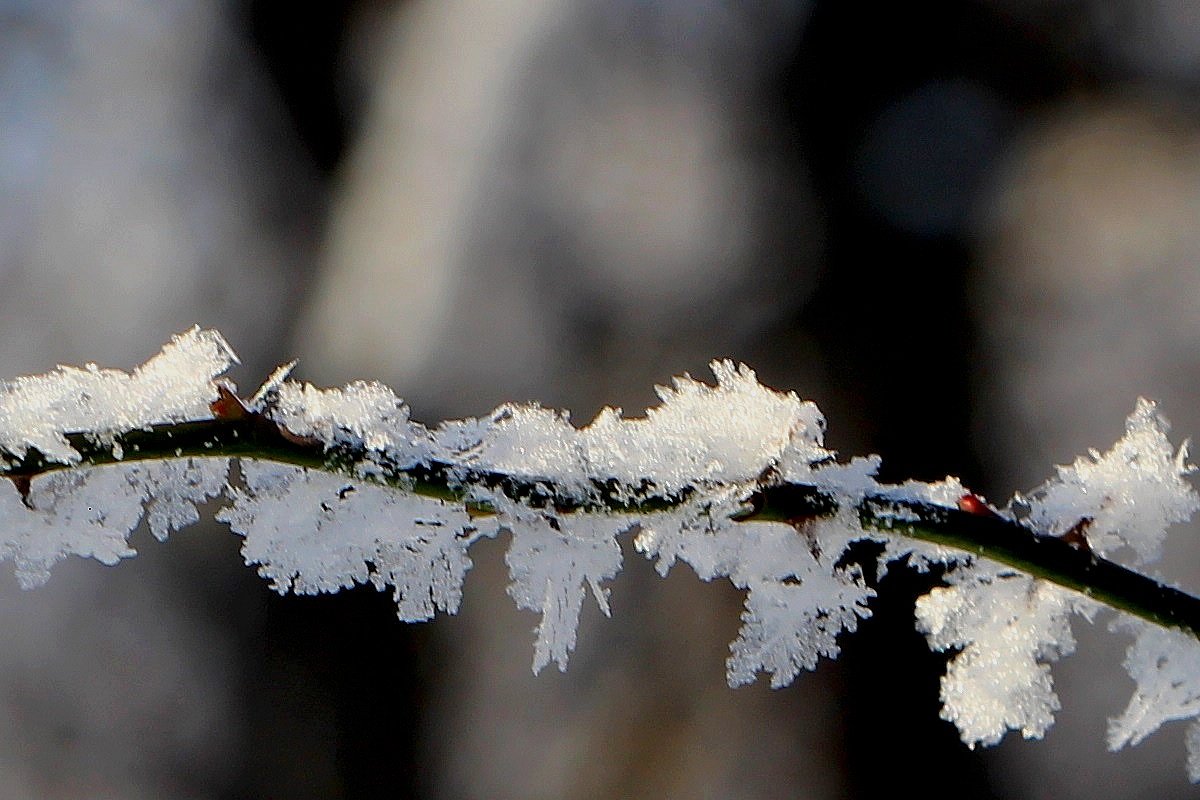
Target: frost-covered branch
339	487
238	431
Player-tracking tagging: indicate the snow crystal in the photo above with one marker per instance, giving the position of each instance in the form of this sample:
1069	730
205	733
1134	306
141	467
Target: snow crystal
1009	626
550	561
311	531
1131	494
366	412
798	603
174	488
176	384
86	512
1165	665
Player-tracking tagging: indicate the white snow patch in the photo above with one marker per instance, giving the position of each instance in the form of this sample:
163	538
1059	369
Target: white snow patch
1010	627
311	532
177	384
1131	494
1165	665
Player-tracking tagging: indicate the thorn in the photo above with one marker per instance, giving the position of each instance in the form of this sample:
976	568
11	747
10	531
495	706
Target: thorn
974	504
23	485
295	438
1076	535
227	406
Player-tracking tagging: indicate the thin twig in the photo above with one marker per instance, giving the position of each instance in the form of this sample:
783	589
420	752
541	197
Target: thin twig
252	435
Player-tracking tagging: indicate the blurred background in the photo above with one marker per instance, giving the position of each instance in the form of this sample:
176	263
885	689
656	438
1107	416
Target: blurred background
968	230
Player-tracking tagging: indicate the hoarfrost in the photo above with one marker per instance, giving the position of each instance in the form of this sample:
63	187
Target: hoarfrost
173	489
177	384
798	602
1010	627
363	411
1130	494
701	435
518	440
694	462
1165	665
921	556
86	512
699	533
91	512
550	561
311	532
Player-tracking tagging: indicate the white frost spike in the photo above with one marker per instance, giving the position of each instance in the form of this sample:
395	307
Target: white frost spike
363	411
722	434
798	603
1165	665
550	560
174	488
312	532
87	512
1132	493
788	625
175	385
1008	626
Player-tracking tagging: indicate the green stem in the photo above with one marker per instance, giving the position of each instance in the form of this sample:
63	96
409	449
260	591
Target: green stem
252	435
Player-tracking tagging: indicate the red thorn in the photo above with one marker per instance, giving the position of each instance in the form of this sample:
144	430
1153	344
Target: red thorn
228	405
974	504
295	438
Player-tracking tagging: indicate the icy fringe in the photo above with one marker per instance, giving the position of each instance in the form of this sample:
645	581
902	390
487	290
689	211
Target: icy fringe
708	447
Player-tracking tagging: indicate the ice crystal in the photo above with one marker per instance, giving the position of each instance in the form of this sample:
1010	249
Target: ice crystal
1010	628
550	562
311	532
177	384
1128	496
87	512
173	489
1165	665
797	604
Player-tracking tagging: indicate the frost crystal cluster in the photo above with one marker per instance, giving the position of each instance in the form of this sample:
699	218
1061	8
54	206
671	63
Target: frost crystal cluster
686	482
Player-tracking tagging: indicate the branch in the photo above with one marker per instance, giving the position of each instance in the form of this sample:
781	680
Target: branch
695	478
243	433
